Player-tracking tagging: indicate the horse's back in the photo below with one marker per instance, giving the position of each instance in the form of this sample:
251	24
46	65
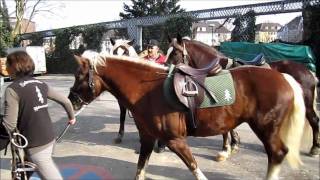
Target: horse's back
298	71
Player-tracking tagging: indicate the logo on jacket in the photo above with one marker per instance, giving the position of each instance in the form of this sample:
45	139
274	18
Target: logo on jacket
39	95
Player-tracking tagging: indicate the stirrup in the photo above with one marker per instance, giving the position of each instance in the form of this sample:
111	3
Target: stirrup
189	93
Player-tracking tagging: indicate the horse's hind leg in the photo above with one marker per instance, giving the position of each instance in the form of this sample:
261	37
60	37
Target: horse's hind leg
314	122
146	148
160	146
180	147
276	150
123	112
276	153
226	149
235	141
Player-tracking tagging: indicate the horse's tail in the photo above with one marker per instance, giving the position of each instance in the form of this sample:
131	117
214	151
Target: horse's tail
291	130
315	99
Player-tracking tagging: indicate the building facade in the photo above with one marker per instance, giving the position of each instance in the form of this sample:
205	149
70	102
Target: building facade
211	33
26	25
267	32
292	31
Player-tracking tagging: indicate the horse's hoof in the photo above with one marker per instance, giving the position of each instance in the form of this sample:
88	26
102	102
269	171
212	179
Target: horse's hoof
222	156
117	140
234	149
137	150
315	151
159	149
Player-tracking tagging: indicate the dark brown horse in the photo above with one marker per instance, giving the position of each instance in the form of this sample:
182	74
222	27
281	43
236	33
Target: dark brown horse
276	115
124	48
301	74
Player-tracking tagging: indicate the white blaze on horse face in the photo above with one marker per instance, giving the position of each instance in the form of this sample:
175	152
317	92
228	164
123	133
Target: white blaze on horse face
120	51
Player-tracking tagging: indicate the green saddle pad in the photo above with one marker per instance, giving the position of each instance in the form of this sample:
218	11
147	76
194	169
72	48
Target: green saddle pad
222	87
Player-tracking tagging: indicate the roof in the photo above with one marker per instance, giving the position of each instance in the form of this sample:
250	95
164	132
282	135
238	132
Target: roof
209	25
14	19
268	27
293	24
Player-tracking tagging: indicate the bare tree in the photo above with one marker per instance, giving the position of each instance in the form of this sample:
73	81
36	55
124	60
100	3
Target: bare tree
28	9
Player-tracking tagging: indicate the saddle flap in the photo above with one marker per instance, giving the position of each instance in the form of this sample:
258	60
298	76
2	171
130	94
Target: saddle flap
185	87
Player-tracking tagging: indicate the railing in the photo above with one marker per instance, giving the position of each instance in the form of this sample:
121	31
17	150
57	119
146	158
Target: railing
134	26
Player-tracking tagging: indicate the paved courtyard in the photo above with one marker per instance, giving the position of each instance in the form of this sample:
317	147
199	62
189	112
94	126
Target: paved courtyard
87	150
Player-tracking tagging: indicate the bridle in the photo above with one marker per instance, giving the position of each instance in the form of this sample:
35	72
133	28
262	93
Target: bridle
91	84
182	48
185	54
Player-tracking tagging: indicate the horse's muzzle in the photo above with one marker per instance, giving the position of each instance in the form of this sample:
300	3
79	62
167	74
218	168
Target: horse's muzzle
76	101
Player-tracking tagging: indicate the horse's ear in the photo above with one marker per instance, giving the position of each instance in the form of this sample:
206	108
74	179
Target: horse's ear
179	38
131	42
112	41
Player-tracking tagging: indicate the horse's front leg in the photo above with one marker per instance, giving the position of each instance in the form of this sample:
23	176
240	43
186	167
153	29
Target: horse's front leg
226	149
180	147
123	112
146	148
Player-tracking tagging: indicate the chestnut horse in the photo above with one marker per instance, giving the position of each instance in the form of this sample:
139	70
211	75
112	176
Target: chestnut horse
298	71
276	115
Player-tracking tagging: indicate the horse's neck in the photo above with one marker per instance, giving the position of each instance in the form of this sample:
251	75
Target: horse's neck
201	57
127	81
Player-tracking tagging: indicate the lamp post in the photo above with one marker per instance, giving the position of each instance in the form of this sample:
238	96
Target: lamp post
212	40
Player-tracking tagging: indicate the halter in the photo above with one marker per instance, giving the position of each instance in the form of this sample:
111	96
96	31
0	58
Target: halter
91	82
185	54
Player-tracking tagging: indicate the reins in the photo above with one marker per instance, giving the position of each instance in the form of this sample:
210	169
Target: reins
68	125
91	85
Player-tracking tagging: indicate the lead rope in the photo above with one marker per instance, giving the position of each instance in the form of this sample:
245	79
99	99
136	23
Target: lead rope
68	125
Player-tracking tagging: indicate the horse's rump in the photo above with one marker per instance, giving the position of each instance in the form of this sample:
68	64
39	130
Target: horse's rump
261	94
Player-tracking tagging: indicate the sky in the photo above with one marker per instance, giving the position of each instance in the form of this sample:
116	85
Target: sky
66	13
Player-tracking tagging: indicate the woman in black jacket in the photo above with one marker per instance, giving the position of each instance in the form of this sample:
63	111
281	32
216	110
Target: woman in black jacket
26	109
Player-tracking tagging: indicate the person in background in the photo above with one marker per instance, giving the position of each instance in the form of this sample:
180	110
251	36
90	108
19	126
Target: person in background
26	108
154	53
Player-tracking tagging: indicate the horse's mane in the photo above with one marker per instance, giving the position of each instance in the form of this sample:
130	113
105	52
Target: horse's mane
99	59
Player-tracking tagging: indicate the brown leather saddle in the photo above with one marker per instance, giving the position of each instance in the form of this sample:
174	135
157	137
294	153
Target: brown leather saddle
189	86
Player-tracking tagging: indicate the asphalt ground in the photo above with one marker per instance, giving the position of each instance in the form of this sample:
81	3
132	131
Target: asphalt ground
87	150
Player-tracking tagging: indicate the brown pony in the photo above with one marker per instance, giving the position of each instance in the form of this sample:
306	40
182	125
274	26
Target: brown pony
276	115
124	48
299	72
